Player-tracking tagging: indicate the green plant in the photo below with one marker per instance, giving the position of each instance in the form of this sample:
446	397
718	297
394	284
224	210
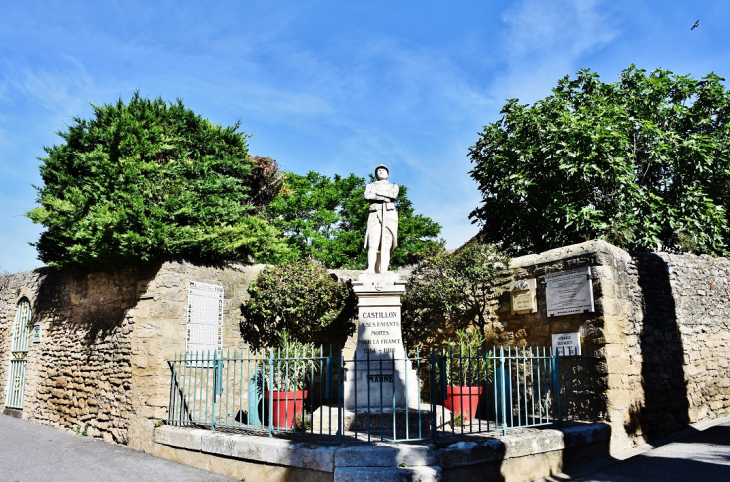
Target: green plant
293	363
465	361
402	464
641	163
301	299
78	429
149	179
450	291
303	422
84	433
159	423
458	420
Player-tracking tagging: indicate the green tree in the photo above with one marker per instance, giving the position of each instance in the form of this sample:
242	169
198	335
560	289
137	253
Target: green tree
147	180
643	163
324	219
452	291
301	299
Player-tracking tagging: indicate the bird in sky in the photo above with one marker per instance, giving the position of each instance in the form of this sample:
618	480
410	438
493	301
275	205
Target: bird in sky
697	24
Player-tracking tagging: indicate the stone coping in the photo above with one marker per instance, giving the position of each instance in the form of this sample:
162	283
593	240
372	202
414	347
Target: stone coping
595	246
482	449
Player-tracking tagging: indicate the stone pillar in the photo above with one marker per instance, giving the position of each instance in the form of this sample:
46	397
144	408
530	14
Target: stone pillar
379	337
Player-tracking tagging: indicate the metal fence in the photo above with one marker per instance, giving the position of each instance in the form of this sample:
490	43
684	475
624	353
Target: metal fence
436	397
261	391
513	387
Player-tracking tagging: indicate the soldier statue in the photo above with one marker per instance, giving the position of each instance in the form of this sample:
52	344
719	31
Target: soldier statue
381	237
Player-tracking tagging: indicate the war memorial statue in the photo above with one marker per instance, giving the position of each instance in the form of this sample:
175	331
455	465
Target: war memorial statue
381	236
380	374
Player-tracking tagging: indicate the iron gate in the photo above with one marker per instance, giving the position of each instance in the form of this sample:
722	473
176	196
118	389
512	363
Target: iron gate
19	355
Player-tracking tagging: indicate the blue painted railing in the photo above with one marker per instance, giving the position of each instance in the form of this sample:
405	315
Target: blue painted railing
457	393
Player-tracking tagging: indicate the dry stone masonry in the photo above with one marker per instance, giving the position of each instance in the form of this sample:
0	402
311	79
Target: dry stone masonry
660	325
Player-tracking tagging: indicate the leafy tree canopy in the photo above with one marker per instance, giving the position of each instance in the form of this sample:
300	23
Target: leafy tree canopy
301	299
324	219
452	291
151	179
643	163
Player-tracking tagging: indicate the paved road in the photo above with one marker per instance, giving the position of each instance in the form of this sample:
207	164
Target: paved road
35	453
697	456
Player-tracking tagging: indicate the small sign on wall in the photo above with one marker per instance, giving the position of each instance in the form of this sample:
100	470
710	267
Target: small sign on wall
524	299
566	344
36	333
146	289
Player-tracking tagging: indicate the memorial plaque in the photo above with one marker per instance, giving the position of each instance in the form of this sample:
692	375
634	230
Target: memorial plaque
569	292
146	289
566	344
204	318
524	299
379	332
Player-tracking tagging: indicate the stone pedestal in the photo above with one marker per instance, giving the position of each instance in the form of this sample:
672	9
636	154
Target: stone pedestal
379	369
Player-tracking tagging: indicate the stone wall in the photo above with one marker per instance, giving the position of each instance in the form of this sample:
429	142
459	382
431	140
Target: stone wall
660	330
160	333
684	338
80	372
102	360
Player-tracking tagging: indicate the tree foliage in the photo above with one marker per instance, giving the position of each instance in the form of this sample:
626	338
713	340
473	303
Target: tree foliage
151	179
324	219
643	163
301	299
452	291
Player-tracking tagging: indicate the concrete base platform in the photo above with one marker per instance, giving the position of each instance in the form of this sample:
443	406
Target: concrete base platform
523	455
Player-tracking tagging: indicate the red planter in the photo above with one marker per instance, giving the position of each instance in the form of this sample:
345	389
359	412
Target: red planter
462	400
286	405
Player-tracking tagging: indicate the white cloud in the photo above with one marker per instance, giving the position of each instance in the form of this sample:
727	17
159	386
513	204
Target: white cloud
546	39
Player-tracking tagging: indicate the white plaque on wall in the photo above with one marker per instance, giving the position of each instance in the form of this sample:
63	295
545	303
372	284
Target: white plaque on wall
566	344
569	292
204	319
524	299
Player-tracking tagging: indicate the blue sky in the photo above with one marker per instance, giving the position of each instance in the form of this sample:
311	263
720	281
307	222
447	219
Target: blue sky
330	86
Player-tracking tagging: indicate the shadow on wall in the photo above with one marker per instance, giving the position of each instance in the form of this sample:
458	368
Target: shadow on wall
91	305
666	408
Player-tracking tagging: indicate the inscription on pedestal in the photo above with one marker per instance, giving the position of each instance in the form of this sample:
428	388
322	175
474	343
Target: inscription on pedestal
379	332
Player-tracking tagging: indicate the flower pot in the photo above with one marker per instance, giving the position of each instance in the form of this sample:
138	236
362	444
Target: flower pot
286	406
462	400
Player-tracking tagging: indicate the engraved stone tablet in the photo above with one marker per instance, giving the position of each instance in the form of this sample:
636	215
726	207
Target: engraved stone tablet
569	292
379	331
146	289
524	299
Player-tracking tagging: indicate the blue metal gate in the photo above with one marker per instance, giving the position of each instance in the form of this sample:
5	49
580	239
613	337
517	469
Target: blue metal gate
19	355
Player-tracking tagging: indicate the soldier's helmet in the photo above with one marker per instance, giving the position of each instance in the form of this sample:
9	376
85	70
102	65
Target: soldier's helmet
384	167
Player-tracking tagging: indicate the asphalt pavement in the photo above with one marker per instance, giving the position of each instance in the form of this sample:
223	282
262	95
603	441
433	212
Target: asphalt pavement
698	454
36	453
